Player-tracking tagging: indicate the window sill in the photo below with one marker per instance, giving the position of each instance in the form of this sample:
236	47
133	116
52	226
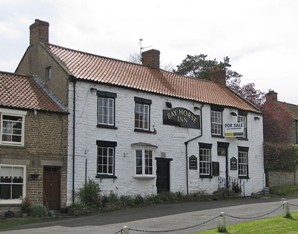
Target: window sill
145	131
206	176
242	139
243	177
12	145
106	126
217	136
144	177
10	202
106	176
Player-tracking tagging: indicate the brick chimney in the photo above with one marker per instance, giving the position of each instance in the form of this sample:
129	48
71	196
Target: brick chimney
150	58
271	95
39	32
218	75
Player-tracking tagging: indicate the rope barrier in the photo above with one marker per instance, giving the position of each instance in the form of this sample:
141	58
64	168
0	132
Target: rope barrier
197	225
255	217
120	231
292	204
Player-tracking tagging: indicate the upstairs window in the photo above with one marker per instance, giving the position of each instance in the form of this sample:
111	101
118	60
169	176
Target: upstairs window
242	117
106	109
49	73
142	114
12	127
216	121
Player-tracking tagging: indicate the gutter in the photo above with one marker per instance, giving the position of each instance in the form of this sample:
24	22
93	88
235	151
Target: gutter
186	148
73	79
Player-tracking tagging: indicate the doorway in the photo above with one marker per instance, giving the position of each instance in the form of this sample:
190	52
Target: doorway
163	174
51	187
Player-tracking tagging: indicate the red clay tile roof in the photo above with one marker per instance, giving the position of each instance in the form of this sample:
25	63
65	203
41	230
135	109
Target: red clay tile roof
17	91
105	70
292	109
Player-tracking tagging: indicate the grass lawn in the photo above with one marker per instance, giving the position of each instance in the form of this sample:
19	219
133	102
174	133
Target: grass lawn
13	222
275	225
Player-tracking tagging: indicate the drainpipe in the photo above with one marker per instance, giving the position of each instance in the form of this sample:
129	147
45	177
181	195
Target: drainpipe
73	79
186	148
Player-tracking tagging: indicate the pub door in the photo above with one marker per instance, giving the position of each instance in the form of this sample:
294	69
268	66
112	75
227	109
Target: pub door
163	174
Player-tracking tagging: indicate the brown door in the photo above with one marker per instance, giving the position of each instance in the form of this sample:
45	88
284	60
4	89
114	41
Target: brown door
51	188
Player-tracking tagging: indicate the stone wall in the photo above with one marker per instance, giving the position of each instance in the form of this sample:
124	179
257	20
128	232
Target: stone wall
45	145
276	178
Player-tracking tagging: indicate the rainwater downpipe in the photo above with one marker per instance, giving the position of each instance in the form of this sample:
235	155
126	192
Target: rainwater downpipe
73	79
186	148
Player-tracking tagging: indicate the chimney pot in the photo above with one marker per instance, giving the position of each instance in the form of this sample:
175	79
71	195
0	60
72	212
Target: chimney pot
39	32
271	95
150	58
218	75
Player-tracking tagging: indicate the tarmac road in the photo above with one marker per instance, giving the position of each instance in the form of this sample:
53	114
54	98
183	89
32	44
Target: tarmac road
169	218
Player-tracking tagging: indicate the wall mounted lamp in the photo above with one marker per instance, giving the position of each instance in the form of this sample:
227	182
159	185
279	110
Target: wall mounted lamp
233	113
93	89
168	105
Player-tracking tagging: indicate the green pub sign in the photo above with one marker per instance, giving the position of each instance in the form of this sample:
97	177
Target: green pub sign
181	117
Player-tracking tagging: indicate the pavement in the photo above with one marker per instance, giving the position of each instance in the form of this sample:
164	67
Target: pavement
179	218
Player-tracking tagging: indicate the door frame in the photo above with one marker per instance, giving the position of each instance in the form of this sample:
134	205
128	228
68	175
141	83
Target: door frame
167	161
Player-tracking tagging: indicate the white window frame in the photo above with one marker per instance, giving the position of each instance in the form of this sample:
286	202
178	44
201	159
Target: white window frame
205	161
243	119
12	113
144	149
106	111
142	116
18	200
242	163
216	123
110	157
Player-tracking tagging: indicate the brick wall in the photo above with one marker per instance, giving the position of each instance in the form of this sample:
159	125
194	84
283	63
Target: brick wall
45	145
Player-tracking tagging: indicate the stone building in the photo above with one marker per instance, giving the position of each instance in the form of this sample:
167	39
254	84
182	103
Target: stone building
33	144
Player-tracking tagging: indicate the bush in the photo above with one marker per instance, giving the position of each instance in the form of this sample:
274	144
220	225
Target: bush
39	210
89	194
284	190
26	205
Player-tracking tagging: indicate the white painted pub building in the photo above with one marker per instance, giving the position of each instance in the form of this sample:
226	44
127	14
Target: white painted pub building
137	129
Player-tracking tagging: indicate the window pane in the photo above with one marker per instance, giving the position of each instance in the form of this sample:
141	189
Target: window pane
105	160
11	183
139	162
105	111
141	116
12	128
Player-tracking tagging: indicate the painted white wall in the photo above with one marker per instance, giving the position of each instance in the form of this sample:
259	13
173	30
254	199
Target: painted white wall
169	141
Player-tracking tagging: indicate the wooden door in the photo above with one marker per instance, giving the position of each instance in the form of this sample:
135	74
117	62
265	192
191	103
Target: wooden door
163	174
51	187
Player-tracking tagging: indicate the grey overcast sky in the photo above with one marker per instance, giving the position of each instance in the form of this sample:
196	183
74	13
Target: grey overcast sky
259	36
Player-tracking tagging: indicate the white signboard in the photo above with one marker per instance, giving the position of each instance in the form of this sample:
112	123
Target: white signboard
234	129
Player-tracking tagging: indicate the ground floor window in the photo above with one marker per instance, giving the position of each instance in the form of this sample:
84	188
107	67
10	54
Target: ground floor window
12	182
144	162
205	160
106	158
243	162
